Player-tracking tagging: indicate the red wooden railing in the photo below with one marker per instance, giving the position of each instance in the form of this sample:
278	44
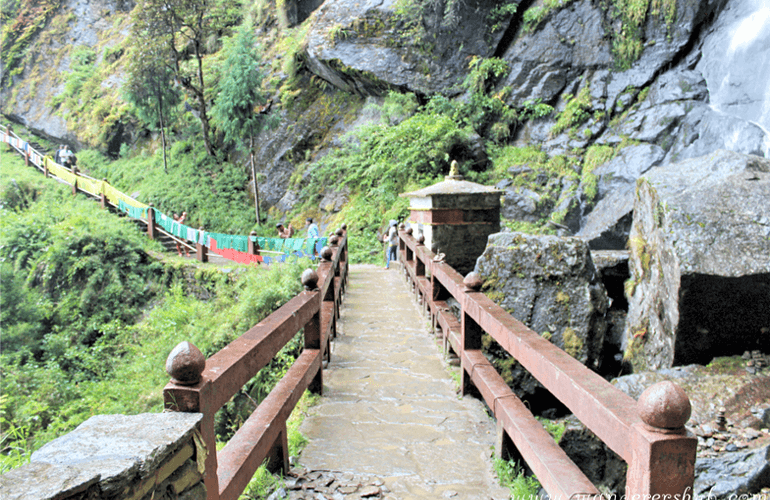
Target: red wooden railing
649	434
204	386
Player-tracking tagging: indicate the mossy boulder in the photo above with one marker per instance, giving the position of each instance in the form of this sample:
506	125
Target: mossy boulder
550	284
700	276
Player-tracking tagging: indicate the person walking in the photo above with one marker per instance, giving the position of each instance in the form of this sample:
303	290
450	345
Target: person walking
392	243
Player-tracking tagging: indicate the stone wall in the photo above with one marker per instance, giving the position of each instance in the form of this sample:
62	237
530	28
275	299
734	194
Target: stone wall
138	457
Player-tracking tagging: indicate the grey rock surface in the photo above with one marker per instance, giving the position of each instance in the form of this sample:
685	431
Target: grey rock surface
361	38
550	284
694	290
111	449
604	226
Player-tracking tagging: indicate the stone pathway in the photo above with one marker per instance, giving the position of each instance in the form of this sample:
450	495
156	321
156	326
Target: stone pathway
390	424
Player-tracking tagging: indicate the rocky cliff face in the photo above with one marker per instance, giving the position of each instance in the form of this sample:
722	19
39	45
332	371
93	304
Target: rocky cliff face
680	81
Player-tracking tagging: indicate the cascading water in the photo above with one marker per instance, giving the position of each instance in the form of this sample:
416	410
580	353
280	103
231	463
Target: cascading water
736	63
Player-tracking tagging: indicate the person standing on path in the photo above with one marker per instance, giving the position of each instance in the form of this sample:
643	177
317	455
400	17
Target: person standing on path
312	229
392	242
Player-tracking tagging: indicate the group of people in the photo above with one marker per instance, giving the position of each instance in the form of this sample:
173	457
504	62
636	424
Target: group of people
287	232
65	156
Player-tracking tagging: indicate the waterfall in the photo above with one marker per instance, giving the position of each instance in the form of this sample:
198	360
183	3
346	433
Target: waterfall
736	63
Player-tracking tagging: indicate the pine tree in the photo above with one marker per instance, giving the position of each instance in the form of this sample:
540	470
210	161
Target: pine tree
241	111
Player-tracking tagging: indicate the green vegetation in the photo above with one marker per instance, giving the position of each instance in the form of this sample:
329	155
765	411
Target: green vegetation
628	42
555	428
89	315
511	475
576	112
21	20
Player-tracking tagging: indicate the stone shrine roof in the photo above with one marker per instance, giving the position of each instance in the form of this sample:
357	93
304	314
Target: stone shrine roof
451	186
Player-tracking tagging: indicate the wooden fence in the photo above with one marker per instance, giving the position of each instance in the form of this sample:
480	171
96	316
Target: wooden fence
204	386
649	434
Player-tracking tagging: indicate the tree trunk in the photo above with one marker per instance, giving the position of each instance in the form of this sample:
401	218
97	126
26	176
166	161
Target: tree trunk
202	103
254	176
162	133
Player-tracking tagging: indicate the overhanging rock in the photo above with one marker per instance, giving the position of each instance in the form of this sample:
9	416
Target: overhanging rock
700	261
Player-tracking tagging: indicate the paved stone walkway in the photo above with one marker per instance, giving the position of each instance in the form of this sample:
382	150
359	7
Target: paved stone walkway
390	424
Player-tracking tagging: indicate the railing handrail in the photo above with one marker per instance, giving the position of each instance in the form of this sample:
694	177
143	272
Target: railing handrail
263	435
603	408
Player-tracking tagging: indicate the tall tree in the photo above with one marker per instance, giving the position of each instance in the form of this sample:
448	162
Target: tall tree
149	87
241	110
182	27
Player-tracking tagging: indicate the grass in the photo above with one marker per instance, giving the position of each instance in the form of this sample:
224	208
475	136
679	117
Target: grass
512	476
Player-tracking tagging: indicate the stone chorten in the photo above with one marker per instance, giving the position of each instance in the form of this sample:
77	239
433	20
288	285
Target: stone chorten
456	217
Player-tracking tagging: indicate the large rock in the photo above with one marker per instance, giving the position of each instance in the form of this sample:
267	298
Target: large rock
574	43
550	284
118	452
81	23
357	47
700	241
606	226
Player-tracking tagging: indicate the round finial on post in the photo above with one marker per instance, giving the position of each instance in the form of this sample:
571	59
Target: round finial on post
185	364
253	233
420	239
310	279
409	230
664	407
401	226
326	253
340	232
334	240
344	227
473	282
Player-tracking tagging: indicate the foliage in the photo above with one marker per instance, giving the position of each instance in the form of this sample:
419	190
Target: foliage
183	27
595	156
378	161
21	20
149	87
575	113
537	13
239	97
511	475
261	484
76	283
213	193
628	42
501	13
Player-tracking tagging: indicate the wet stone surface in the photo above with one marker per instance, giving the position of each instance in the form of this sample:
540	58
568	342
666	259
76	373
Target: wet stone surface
391	424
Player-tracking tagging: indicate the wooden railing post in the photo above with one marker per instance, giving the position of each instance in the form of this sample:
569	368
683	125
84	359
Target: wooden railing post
151	231
313	327
663	461
471	332
74	171
189	392
102	196
253	248
201	250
